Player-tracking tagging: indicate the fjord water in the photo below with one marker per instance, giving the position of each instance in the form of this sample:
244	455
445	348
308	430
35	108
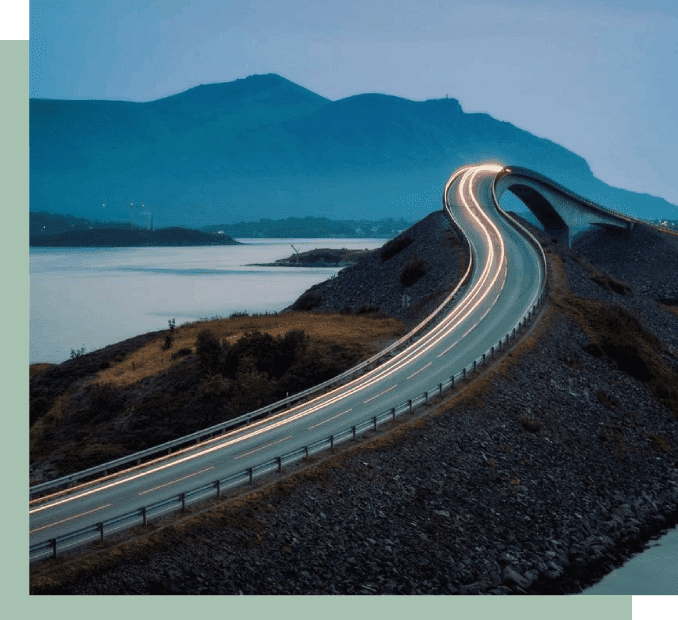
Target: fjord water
93	297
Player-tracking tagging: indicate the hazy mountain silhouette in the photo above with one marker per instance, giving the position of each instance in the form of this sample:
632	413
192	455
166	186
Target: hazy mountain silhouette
266	147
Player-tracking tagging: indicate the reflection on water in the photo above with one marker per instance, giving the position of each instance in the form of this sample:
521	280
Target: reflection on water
94	297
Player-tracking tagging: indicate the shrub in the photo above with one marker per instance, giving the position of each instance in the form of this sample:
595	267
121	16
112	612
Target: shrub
413	270
77	352
208	349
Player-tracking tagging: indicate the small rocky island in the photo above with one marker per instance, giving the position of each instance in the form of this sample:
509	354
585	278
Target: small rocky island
321	257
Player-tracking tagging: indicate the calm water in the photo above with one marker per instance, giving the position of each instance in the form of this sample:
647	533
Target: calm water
93	297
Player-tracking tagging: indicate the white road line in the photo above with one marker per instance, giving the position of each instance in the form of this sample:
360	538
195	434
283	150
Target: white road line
418	371
268	445
330	419
381	393
82	514
177	480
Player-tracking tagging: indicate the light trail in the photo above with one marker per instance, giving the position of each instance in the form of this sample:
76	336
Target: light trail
479	294
470	303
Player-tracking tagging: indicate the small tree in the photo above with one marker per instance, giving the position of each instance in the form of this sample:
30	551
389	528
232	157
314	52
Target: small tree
77	352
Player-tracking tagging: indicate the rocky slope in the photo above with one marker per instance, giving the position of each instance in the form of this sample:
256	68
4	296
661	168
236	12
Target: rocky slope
404	279
543	474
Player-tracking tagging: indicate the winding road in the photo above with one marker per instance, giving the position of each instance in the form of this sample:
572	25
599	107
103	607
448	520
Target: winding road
507	277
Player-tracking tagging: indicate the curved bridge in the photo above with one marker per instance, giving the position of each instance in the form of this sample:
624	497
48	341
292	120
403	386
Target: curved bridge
559	210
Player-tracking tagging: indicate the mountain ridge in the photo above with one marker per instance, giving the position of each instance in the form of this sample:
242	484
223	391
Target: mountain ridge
263	146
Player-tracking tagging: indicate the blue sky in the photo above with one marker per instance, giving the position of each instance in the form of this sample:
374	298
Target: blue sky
600	78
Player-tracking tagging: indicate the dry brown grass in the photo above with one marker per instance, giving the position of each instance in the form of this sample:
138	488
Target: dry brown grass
329	329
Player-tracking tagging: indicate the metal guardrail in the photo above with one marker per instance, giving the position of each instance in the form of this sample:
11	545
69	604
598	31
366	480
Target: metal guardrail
142	515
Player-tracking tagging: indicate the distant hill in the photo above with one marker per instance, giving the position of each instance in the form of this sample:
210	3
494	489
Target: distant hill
119	237
264	147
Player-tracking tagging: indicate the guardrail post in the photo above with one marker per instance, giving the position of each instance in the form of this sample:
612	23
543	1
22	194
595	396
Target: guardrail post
452	380
101	530
279	464
440	390
353	429
374	421
463	372
144	520
393	413
409	404
483	359
169	450
218	485
306	448
53	541
183	501
426	397
474	365
331	442
249	471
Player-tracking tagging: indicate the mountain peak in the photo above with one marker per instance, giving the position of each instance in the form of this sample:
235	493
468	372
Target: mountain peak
255	85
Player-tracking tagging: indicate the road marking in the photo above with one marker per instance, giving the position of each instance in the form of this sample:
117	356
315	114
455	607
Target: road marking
263	447
381	393
418	371
82	514
177	480
330	419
